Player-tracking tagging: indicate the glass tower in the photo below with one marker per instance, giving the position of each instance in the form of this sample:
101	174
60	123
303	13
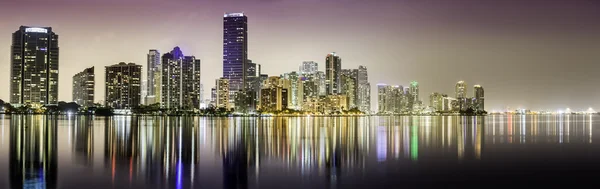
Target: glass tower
235	50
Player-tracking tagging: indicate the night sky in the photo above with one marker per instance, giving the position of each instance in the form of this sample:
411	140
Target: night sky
537	54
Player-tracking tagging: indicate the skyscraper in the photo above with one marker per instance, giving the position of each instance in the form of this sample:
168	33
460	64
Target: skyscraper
153	68
309	67
235	50
363	90
180	81
479	99
296	90
123	85
461	89
83	87
333	67
349	86
34	66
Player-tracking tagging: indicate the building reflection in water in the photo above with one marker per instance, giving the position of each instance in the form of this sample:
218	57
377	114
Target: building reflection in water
33	151
82	135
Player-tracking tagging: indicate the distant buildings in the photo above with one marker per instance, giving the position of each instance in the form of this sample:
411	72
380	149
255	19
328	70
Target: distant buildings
363	97
309	67
333	68
479	99
180	81
153	79
222	93
461	96
349	86
436	101
274	94
34	66
296	90
83	87
123	85
235	50
390	99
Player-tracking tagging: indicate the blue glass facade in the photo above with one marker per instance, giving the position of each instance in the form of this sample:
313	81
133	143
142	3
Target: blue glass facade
235	49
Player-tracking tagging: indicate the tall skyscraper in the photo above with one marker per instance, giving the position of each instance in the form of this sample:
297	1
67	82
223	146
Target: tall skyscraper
34	66
479	99
123	85
333	68
461	89
296	90
180	81
222	93
153	68
364	90
83	87
414	91
309	67
349	86
235	50
436	101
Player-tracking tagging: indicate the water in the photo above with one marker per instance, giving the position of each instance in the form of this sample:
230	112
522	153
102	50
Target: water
365	152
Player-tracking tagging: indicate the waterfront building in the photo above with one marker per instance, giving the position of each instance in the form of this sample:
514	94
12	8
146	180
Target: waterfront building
123	85
296	90
309	67
83	87
34	66
274	94
333	68
363	97
153	80
222	93
479	99
235	50
180	81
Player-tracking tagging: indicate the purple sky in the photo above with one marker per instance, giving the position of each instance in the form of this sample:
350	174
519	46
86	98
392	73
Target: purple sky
539	54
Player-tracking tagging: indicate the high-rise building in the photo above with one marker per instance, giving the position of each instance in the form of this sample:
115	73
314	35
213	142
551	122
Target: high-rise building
153	69
83	87
461	90
333	68
180	81
309	67
247	99
235	50
123	85
382	92
34	66
479	99
363	97
349	86
222	92
296	90
414	93
322	82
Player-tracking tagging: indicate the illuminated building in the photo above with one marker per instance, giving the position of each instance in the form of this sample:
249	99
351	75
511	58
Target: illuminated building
34	66
320	78
83	87
363	93
414	95
309	67
222	93
333	68
235	50
274	94
180	81
461	95
153	80
479	99
436	101
123	85
349	86
296	90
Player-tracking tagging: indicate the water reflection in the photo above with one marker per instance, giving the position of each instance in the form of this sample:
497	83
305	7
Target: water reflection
194	152
33	152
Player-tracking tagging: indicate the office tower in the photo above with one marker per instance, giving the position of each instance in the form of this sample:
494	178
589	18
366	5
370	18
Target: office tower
246	100
333	67
222	92
382	90
461	90
309	67
479	99
123	85
83	87
274	94
153	68
414	92
436	101
296	90
235	50
349	85
34	66
310	85
461	95
363	97
180	81
213	96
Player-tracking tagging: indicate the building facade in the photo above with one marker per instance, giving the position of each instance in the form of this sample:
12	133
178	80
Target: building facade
235	50
296	90
180	81
479	98
153	84
222	93
123	85
274	94
34	66
83	87
333	68
363	97
309	67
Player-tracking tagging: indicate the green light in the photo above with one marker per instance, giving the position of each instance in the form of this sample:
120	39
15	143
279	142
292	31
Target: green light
414	143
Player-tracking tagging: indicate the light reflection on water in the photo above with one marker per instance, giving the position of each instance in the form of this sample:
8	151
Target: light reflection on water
198	152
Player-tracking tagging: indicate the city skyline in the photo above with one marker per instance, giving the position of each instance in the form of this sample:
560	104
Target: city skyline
517	77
